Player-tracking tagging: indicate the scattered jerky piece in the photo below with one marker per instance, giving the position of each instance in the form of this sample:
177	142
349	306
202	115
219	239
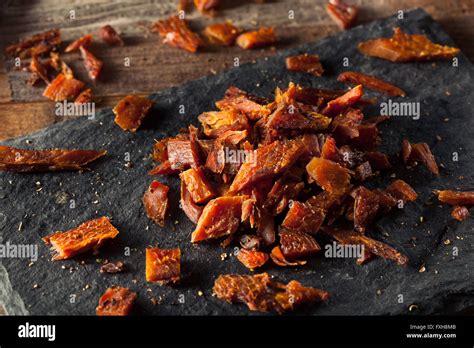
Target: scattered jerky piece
220	217
401	191
112	267
403	47
36	67
22	160
309	63
190	208
366	205
236	99
363	171
82	41
255	39
460	213
92	63
279	259
456	197
176	33
205	6
262	294
344	15
371	82
116	301
63	88
329	175
155	201
215	123
37	44
89	235
182	154
343	102
59	65
197	185
252	259
163	266
419	153
375	247
130	112
222	33
85	97
295	245
108	34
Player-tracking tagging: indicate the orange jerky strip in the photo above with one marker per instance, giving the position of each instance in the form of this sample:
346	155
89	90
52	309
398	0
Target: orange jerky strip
402	47
344	15
222	33
456	197
22	160
343	102
116	301
329	175
255	39
39	69
63	88
176	33
82	41
89	235
197	184
309	63
92	63
37	44
130	112
251	258
371	83
163	266
155	201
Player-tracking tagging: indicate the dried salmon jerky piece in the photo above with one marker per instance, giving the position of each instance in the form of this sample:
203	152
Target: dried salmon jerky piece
89	235
308	63
460	213
255	39
402	47
63	88
176	33
163	266
190	208
82	41
371	82
279	259
343	102
419	153
329	175
197	185
92	63
366	206
220	217
344	15
116	301
36	67
236	99
375	247
108	34
456	197
22	160
295	245
130	112
37	44
85	97
182	154
252	259
215	123
222	33
155	201
401	191
303	218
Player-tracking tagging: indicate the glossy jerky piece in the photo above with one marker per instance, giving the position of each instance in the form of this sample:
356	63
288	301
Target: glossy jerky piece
375	247
92	63
303	218
155	201
163	266
402	47
190	208
112	267
39	69
343	14
63	88
308	63
116	301
182	154
236	99
251	258
130	112
89	235
255	39
220	217
108	34
85	97
197	185
400	190
371	82
222	33
176	33
366	205
279	259
37	44
22	160
419	153
343	102
76	44
296	245
329	175
214	123
460	213
456	197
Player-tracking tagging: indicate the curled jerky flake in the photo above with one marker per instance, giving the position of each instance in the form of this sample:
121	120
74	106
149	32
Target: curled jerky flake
116	301
251	258
175	32
309	63
163	266
63	88
421	153
108	34
222	33
371	82
92	63
82	41
37	44
155	201
130	112
343	102
344	15
192	210
255	39
279	259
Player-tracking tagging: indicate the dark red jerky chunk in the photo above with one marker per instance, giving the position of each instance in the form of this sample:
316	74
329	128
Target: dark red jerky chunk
190	208
363	171
155	201
238	100
343	102
75	45
182	154
460	213
401	191
313	96
304	218
130	112
279	259
378	160
456	197
37	44
350	157
252	259
112	267
63	88
296	245
116	301
92	63
330	151
343	14
346	126
256	39
222	33
84	98
308	63
366	205
22	160
265	224
419	153
367	137
371	82
108	34
176	33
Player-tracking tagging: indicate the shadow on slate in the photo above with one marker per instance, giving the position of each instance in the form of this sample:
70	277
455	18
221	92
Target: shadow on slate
442	90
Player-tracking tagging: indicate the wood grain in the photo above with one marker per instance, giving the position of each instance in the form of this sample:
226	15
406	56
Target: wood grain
154	66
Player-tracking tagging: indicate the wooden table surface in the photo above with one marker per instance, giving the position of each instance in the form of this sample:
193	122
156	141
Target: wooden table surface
154	66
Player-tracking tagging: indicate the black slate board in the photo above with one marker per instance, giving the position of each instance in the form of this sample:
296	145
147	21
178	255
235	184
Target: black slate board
445	286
